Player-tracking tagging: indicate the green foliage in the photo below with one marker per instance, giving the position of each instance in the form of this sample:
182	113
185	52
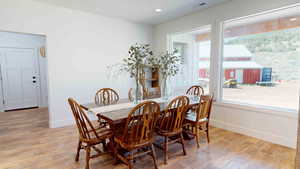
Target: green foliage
278	50
137	58
168	63
276	41
140	55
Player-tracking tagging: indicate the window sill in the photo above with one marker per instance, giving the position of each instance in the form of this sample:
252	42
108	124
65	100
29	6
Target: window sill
259	109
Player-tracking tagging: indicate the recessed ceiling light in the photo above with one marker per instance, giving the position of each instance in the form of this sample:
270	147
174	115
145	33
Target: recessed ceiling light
293	19
158	10
202	4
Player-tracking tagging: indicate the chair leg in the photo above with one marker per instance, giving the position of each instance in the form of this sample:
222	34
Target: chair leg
207	135
130	160
78	150
182	143
116	153
197	137
166	150
129	165
104	145
88	155
154	156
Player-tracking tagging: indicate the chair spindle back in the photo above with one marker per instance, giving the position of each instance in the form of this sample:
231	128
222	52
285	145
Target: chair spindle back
195	90
204	108
140	123
106	96
173	117
85	127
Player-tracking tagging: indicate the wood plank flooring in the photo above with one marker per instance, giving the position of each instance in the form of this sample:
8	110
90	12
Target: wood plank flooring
26	142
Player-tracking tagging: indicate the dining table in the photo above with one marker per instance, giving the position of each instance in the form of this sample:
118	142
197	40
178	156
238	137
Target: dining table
115	113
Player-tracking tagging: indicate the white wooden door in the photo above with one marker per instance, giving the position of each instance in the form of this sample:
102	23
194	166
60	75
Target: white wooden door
239	75
19	78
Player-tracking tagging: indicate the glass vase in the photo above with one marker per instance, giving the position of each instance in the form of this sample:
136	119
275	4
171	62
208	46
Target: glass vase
137	92
164	88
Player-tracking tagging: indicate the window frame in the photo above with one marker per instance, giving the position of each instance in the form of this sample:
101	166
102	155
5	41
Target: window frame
217	66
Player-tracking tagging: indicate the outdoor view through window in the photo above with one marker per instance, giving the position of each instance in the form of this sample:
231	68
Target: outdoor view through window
261	60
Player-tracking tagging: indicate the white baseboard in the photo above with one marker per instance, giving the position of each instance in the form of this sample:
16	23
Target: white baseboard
289	142
61	123
66	122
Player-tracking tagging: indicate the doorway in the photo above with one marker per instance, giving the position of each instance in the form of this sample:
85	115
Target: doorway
193	47
239	76
23	71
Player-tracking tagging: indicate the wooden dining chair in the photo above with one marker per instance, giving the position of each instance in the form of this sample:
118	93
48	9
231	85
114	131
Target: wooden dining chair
195	90
198	122
170	124
89	136
138	133
106	96
131	92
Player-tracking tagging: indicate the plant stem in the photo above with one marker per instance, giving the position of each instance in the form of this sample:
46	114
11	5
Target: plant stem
136	84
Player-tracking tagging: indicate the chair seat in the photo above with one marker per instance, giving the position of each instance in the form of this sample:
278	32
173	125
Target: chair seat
103	133
132	145
192	118
167	133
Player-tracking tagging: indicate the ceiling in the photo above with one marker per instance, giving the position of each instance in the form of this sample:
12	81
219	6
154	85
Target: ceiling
140	11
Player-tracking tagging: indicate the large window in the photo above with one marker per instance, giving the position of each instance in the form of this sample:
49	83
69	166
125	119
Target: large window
261	59
194	49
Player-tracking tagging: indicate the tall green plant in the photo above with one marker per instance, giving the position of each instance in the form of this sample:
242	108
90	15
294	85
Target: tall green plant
135	63
167	63
136	59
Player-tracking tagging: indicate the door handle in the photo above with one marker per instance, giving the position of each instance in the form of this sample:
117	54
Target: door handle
33	77
34	81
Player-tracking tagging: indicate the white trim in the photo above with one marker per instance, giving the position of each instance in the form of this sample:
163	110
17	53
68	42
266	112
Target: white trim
246	106
220	61
68	122
61	123
263	13
261	109
169	43
289	142
1	85
169	35
208	27
26	33
216	59
37	77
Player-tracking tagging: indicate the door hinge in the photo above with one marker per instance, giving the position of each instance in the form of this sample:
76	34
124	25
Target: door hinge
3	102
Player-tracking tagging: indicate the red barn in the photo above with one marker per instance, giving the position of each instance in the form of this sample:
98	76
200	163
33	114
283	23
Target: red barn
237	64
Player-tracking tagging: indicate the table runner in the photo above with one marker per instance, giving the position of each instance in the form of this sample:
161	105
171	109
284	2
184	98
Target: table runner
120	106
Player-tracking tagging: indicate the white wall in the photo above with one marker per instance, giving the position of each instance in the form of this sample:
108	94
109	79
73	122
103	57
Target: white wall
276	126
18	40
79	47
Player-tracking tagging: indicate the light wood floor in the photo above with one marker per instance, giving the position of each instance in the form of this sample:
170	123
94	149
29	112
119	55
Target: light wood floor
27	143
